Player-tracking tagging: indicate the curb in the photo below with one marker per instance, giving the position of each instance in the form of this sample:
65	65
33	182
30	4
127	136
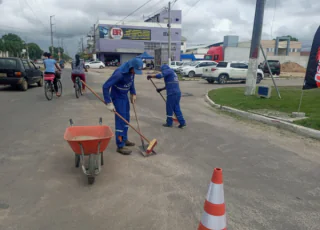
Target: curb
304	131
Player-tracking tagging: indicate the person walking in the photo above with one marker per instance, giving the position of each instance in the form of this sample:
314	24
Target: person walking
115	93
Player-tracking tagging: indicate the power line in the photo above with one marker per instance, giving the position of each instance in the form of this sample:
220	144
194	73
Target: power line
134	11
34	14
192	7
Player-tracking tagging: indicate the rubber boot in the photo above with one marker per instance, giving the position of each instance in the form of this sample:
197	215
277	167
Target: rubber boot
129	143
124	151
182	126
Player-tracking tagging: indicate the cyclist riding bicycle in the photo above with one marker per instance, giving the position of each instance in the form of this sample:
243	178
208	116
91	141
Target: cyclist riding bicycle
50	65
78	70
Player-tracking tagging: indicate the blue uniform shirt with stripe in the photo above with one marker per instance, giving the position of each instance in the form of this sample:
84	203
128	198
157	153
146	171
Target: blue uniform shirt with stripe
120	83
170	79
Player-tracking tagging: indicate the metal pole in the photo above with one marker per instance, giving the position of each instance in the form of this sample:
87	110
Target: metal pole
52	50
301	96
254	50
82	44
274	83
169	33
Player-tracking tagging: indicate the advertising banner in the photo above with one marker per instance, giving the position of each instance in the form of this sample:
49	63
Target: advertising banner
103	32
312	78
130	34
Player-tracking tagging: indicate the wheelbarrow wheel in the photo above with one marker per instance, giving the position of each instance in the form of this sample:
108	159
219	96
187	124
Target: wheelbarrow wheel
77	160
91	180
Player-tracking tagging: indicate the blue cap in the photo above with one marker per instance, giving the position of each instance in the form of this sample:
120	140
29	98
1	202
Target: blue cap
137	64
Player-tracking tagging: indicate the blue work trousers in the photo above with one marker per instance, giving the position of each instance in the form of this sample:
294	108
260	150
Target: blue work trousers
122	106
173	106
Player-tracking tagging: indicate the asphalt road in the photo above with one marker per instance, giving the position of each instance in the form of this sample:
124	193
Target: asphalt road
271	177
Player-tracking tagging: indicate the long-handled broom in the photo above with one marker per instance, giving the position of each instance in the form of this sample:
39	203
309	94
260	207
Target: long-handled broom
175	117
151	143
143	148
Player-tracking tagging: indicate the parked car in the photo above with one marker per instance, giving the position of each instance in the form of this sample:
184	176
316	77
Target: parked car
196	68
175	64
229	71
184	64
275	67
19	73
95	65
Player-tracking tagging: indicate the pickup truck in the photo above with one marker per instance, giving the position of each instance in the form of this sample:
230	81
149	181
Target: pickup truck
19	73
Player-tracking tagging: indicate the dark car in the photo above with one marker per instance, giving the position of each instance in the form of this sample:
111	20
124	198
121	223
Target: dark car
19	73
275	67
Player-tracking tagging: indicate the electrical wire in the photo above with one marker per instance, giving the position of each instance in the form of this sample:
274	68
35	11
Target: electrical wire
26	1
144	4
191	7
274	13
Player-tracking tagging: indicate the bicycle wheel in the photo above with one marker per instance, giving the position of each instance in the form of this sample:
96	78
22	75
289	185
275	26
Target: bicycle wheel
48	92
77	88
59	87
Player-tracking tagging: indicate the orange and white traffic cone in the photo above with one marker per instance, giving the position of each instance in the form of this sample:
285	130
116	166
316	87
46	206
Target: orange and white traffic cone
214	216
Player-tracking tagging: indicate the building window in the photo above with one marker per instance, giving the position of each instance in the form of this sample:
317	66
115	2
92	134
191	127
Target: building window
165	33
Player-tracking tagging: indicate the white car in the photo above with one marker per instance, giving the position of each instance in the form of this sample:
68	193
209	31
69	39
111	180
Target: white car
196	68
229	71
95	65
184	64
175	64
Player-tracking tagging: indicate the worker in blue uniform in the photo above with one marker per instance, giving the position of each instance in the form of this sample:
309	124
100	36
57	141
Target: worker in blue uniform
120	83
173	95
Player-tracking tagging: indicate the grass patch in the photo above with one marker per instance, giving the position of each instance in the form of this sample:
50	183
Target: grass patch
234	97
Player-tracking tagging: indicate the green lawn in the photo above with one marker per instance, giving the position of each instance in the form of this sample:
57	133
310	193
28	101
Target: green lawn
234	97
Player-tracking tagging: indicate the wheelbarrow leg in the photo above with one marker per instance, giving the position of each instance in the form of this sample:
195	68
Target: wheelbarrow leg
102	162
77	160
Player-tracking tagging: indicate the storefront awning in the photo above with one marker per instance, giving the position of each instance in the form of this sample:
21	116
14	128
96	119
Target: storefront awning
132	51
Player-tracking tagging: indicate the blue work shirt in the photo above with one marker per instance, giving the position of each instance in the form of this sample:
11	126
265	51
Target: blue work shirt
50	65
120	84
170	79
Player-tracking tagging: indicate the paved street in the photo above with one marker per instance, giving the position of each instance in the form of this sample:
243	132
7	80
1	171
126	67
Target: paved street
271	177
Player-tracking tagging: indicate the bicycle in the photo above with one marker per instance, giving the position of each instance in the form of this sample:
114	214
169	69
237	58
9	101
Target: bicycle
78	87
49	86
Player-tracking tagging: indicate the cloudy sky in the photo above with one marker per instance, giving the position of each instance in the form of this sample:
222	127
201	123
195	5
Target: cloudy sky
204	21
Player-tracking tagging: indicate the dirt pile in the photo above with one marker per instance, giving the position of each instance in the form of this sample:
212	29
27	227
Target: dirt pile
292	67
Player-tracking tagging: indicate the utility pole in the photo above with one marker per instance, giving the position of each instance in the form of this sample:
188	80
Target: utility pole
59	49
169	33
254	50
51	24
82	44
94	43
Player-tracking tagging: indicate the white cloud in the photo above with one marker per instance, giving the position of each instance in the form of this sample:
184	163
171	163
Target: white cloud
205	22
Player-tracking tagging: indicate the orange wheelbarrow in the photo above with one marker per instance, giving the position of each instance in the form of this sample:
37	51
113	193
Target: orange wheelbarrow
88	141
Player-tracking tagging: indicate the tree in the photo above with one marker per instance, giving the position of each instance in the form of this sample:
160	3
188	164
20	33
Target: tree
34	51
13	43
56	51
291	38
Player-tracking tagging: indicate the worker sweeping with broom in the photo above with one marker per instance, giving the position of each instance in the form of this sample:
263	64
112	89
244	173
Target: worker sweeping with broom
173	95
120	83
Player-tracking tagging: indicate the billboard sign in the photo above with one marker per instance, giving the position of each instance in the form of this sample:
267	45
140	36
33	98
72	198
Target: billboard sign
103	32
130	34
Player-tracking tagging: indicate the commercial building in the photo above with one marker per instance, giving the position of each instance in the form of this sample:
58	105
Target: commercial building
125	40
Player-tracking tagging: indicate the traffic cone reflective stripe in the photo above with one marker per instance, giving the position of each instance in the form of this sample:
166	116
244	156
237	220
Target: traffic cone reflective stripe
214	216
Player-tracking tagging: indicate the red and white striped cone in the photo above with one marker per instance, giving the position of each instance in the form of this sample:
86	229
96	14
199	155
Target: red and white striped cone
214	216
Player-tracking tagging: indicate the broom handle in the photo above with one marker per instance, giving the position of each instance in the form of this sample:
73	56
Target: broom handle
115	112
157	88
161	95
135	113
